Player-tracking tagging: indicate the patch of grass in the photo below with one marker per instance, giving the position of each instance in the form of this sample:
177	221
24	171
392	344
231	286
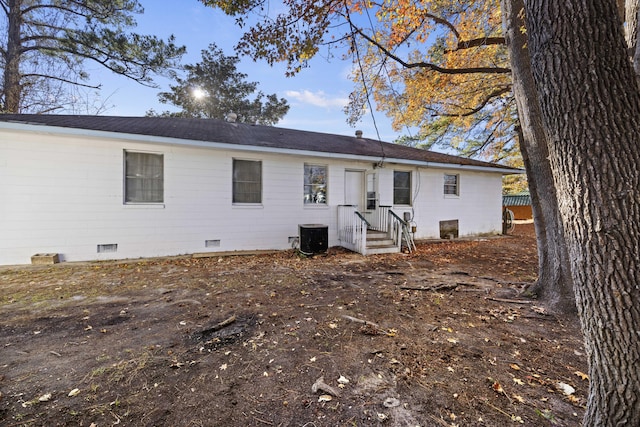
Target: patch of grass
546	414
7	299
129	369
103	358
101	409
97	372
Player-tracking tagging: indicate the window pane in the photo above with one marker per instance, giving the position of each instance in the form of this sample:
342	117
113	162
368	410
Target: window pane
144	178
247	181
451	184
315	184
401	188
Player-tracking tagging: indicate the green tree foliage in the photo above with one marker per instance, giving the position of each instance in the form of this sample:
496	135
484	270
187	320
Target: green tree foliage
45	45
214	88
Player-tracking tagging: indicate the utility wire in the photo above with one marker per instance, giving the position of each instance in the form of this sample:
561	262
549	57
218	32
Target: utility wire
383	66
364	84
364	81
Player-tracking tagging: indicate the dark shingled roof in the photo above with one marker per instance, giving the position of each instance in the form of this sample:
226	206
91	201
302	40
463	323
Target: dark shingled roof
219	131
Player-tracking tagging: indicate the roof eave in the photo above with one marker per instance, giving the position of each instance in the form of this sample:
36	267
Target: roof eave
150	139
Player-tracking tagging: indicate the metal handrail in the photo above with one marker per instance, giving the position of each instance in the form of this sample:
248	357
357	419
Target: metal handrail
395	228
363	219
400	229
396	217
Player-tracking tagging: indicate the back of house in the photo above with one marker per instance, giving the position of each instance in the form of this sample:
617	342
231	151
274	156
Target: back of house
99	187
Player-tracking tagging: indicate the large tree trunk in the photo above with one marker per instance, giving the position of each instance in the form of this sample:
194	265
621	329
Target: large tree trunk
554	285
11	78
591	110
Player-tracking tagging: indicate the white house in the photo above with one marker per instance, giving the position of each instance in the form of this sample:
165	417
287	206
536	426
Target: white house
98	187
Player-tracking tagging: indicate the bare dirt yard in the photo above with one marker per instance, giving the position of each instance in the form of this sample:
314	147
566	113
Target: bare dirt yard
439	337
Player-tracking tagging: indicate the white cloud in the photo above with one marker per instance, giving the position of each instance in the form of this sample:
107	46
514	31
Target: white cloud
317	99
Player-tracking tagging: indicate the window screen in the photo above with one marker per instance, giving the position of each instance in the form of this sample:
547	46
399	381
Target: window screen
451	185
401	188
247	181
144	177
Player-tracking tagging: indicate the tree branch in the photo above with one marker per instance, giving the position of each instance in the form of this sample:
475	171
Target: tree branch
4	7
45	111
439	20
430	66
63	80
496	93
91	12
483	41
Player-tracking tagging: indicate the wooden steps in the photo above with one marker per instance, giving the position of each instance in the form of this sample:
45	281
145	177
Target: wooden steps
379	242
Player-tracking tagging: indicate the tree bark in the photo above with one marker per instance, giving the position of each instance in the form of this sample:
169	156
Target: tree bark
591	111
11	77
554	285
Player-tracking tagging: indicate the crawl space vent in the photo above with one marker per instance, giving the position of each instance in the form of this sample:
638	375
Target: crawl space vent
109	247
212	243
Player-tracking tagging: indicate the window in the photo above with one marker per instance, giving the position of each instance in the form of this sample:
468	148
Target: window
451	185
371	191
401	188
144	177
315	184
247	181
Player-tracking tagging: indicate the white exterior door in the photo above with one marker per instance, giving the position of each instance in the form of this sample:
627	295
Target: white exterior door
354	189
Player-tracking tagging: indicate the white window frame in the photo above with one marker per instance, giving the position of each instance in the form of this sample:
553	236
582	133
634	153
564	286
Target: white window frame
402	188
448	187
146	195
371	194
315	193
234	182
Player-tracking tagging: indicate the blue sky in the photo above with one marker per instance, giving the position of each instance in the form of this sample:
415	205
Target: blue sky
316	95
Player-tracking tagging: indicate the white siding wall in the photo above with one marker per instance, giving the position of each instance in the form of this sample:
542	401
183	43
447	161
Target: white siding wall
477	208
65	195
385	185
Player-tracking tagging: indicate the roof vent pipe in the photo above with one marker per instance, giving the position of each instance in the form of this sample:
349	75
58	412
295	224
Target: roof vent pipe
232	117
358	134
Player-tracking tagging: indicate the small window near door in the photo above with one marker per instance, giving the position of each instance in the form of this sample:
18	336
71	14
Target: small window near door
451	185
401	188
371	192
315	184
247	181
144	177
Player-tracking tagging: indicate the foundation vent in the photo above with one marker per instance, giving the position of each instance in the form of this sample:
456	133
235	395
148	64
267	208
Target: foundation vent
212	243
107	248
